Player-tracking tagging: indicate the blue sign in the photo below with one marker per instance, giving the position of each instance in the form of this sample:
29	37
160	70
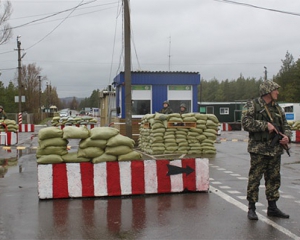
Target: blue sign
290	116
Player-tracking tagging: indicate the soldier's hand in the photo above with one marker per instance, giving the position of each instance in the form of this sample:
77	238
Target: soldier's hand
284	140
271	128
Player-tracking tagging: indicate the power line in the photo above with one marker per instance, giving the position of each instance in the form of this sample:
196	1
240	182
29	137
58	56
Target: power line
262	8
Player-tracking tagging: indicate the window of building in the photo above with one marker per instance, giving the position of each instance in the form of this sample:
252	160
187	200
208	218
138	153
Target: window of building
182	92
210	110
224	111
141	100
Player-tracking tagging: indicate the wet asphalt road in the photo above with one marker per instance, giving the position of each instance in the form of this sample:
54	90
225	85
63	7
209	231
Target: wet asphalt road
217	214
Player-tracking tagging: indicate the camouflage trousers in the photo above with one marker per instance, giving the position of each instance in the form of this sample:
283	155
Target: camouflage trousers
270	168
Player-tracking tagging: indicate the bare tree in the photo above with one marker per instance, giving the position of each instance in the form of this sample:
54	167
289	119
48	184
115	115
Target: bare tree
5	29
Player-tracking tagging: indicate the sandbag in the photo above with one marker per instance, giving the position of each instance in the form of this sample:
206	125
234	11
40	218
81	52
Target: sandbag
120	140
88	142
119	150
49	159
53	142
89	152
104	158
57	150
50	132
103	132
72	157
72	132
130	156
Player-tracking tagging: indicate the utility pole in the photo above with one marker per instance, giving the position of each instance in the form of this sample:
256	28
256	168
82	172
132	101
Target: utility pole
19	76
40	93
127	63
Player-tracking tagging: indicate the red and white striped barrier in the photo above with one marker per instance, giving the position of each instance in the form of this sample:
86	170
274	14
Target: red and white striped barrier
89	126
64	180
225	127
296	136
26	127
8	138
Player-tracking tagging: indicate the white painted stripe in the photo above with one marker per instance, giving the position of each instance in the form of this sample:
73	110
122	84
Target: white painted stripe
45	181
74	179
176	180
125	177
202	174
150	176
100	179
260	217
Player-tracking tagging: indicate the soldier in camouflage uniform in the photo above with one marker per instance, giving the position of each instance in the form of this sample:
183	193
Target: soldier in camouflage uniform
166	109
258	118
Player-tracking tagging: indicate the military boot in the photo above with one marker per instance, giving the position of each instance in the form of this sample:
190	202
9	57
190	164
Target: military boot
273	211
251	212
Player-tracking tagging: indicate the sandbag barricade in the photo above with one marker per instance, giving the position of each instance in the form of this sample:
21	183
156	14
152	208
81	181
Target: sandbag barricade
88	126
296	136
75	180
26	127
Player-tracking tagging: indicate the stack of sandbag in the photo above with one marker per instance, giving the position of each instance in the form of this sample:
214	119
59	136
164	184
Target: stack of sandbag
51	145
11	125
100	144
113	145
157	138
296	125
69	121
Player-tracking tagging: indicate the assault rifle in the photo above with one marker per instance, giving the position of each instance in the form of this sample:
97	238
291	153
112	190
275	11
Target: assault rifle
277	138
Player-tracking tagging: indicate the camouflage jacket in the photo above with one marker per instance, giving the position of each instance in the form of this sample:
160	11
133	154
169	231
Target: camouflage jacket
166	110
255	121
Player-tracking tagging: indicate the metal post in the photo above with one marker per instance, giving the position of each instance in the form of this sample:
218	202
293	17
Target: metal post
127	63
40	102
19	73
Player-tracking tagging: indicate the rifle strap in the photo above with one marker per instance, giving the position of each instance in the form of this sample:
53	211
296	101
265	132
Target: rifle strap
269	114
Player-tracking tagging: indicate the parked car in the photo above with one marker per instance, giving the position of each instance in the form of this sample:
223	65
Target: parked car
64	114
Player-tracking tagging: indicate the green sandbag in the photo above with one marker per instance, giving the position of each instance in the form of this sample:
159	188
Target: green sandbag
209	130
119	140
104	158
200	131
203	122
119	150
175	119
88	142
53	142
57	150
212	117
72	157
130	156
162	117
50	132
189	119
72	132
201	137
176	115
157	125
89	152
211	123
201	116
103	132
158	130
184	115
49	159
173	149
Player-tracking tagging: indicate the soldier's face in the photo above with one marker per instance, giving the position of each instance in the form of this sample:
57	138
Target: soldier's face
274	94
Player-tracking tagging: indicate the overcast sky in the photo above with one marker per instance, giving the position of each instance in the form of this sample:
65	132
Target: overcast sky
80	50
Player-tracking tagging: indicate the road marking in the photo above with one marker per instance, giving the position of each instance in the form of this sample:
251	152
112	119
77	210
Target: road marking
260	216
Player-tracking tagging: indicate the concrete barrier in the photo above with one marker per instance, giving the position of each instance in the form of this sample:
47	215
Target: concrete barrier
26	127
8	138
296	136
75	180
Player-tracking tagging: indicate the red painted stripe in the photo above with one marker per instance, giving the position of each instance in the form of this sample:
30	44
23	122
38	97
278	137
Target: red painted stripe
87	179
297	136
137	177
163	181
113	179
189	181
8	135
60	180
